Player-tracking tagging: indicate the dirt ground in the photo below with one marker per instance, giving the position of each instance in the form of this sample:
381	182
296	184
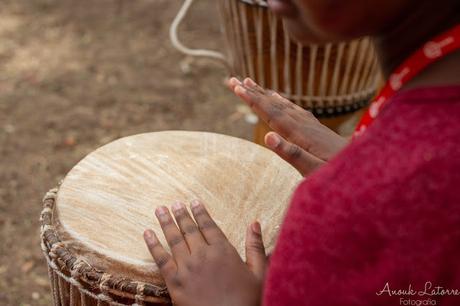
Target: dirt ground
76	74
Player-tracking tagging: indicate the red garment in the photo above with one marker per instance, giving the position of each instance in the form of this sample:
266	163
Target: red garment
385	210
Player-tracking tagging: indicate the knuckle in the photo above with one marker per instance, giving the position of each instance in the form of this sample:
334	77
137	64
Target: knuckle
201	255
182	216
294	151
167	223
274	111
176	281
257	247
255	100
200	213
162	262
192	266
175	240
152	244
207	225
278	105
254	94
190	229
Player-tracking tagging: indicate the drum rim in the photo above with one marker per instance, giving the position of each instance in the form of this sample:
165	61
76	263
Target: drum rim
83	275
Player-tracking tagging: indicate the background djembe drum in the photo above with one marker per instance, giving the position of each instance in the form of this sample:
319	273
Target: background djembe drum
333	81
92	224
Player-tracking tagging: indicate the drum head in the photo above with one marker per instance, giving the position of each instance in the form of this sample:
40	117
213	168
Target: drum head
108	199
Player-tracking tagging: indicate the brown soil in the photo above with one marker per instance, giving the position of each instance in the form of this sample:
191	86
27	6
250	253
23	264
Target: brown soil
76	74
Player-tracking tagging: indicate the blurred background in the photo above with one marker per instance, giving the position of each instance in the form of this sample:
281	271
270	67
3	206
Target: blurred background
77	74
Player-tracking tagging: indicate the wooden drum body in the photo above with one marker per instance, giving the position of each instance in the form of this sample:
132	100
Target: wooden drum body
329	80
92	224
332	80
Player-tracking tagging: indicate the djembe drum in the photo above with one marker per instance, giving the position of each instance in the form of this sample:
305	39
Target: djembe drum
92	224
330	80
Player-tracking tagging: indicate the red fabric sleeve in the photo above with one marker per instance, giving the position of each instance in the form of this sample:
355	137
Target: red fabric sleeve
386	211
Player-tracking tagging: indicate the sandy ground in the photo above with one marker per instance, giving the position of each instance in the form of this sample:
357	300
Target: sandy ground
76	74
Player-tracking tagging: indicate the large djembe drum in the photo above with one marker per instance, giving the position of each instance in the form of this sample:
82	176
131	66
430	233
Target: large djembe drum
92	224
330	80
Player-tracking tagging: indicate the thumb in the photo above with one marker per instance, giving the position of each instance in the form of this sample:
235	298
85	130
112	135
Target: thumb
255	250
300	159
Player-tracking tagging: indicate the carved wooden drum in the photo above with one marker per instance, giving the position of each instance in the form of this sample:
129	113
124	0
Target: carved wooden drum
92	225
328	79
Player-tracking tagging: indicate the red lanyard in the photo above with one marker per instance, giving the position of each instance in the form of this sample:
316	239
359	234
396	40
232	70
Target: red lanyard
432	51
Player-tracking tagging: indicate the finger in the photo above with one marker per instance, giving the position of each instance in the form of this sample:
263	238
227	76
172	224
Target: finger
174	237
188	227
248	82
163	260
211	232
232	83
271	109
290	106
255	250
284	117
300	159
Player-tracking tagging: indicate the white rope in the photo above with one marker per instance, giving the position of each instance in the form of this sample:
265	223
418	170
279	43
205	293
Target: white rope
173	35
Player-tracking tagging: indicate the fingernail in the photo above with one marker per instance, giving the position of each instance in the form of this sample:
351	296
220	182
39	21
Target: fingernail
235	80
256	228
148	234
195	204
272	140
161	211
240	89
177	206
249	82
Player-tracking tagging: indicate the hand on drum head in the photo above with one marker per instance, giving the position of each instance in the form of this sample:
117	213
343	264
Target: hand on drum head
298	137
203	267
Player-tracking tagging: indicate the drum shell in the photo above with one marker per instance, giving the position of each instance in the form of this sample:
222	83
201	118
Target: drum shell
92	224
329	80
88	286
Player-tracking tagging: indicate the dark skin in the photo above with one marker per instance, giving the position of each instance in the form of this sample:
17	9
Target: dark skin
297	136
204	269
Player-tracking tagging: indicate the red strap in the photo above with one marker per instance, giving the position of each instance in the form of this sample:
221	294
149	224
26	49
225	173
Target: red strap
431	52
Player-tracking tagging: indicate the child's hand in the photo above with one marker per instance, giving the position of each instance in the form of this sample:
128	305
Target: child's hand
298	137
204	268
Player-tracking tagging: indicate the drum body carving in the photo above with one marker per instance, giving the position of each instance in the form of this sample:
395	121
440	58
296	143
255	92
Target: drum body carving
92	224
329	80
